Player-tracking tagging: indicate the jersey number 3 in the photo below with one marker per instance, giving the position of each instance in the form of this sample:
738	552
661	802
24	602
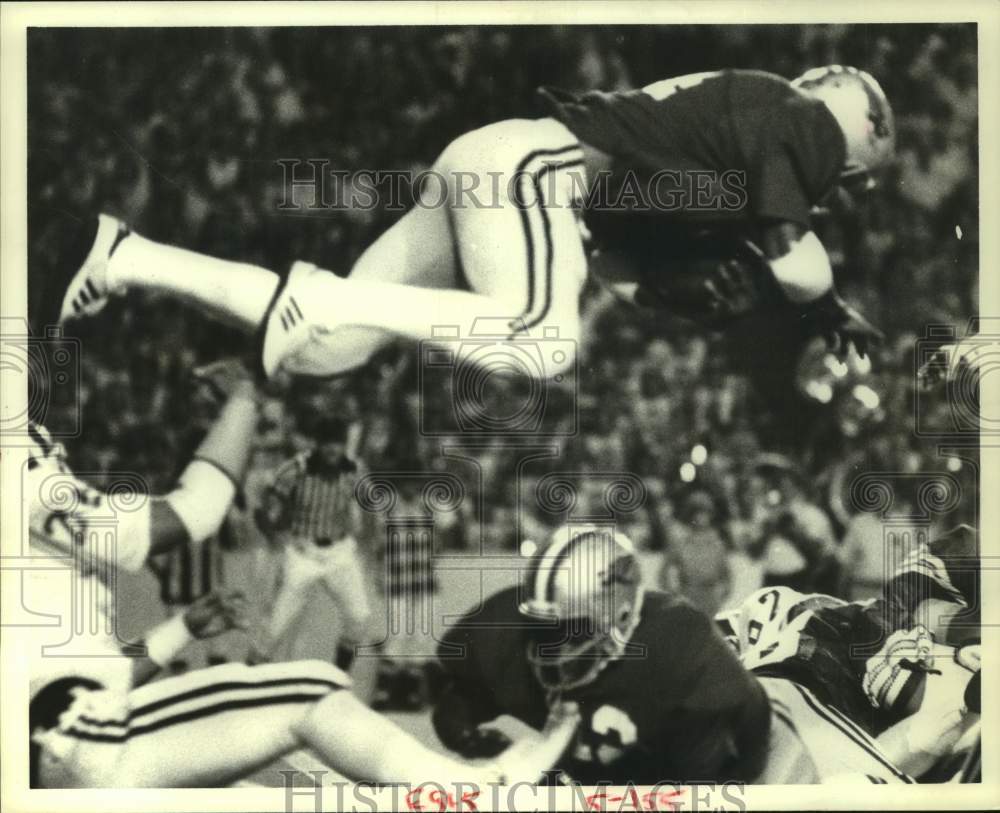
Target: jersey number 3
611	733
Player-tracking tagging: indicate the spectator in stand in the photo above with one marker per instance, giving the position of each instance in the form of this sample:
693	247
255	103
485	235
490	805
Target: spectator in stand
874	547
696	564
799	547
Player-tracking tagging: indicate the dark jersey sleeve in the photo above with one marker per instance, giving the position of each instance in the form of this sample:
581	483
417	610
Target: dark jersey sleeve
467	697
723	715
485	672
464	698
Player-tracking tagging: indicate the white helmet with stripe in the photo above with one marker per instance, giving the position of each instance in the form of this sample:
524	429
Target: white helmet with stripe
863	112
586	584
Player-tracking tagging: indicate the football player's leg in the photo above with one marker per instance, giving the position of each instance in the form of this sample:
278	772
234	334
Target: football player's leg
521	254
417	251
364	745
815	741
404	285
117	259
526	259
208	727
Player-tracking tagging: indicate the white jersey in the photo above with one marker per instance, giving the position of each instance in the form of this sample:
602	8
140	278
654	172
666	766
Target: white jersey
80	536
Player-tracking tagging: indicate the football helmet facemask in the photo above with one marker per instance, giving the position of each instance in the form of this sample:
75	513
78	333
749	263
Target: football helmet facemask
863	112
585	595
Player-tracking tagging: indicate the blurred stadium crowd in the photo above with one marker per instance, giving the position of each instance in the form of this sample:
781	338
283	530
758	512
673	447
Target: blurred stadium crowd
746	454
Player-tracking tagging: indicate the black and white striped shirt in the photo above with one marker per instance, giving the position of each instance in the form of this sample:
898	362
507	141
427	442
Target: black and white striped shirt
312	499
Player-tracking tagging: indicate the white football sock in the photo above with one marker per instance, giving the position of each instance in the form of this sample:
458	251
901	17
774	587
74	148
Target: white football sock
238	292
406	310
359	315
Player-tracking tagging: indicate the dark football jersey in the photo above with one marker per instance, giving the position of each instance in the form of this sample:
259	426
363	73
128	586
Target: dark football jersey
729	151
677	707
829	656
828	649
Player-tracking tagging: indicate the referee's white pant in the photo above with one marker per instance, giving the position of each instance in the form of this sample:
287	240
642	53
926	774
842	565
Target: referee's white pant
339	567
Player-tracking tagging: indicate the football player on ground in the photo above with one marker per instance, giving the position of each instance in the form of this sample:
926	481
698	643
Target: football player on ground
661	696
904	669
89	724
498	243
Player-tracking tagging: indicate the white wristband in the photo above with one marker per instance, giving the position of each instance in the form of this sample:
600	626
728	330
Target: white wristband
167	640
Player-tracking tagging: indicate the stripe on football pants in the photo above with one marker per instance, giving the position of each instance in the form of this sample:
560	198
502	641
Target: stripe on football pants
852	732
80	733
202	702
537	307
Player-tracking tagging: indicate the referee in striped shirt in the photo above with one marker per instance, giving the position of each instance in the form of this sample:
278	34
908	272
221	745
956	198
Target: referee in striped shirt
310	510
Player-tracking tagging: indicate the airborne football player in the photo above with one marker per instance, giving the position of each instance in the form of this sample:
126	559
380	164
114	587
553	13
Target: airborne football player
735	158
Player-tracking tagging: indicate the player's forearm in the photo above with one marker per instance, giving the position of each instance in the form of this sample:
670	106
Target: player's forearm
523	762
196	508
894	746
799	262
163	643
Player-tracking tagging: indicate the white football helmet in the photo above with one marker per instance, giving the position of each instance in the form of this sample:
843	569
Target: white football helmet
863	113
586	584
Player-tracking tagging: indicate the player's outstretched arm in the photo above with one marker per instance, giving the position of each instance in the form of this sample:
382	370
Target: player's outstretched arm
194	510
461	709
802	268
364	745
206	617
191	512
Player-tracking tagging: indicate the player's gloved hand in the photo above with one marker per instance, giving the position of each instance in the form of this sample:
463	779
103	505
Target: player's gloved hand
732	290
484	742
905	655
562	714
713	291
223	378
216	613
841	325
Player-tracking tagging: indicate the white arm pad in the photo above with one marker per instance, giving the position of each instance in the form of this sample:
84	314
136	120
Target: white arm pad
165	641
202	499
804	273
